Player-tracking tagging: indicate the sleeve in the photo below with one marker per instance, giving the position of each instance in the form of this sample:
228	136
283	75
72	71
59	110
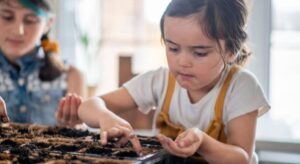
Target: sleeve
147	89
244	96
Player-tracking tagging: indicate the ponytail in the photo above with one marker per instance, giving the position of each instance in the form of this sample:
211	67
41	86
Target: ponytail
51	67
243	55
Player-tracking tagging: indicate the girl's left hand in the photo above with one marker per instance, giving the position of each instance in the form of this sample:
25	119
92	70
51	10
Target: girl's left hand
67	113
185	145
3	113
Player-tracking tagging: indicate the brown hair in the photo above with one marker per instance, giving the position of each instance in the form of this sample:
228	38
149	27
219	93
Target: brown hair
220	20
51	67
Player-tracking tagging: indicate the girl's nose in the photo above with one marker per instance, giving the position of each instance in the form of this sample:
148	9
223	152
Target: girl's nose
184	60
19	29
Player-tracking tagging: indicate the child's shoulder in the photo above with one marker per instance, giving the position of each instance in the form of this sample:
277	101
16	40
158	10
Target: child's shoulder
245	76
156	77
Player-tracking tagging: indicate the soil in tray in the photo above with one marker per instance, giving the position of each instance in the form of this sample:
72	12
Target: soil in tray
72	133
24	144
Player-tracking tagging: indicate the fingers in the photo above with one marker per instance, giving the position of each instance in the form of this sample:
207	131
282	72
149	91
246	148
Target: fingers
136	144
110	133
73	117
124	134
127	134
169	145
185	145
130	136
59	113
184	140
67	110
191	137
75	103
103	137
3	113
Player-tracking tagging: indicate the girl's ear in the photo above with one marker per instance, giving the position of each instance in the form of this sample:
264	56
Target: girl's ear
49	24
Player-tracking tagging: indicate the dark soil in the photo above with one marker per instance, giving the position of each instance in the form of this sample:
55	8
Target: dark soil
20	144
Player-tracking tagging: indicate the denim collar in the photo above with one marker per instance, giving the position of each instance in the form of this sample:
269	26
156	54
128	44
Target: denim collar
27	63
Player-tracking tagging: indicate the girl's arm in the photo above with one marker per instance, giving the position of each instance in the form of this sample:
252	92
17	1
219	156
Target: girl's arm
240	142
76	83
114	102
98	112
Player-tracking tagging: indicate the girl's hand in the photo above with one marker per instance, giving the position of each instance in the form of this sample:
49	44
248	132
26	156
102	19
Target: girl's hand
67	110
185	145
113	126
3	113
95	113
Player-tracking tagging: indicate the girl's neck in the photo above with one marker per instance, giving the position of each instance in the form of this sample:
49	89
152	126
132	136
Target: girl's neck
196	95
13	62
12	59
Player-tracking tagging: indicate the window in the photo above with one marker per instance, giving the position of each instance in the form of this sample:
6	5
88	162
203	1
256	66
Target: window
284	49
274	32
79	34
285	68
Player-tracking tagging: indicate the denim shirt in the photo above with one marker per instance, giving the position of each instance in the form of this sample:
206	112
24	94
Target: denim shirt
27	98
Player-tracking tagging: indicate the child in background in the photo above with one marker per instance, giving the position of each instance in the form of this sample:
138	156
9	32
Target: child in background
206	103
33	79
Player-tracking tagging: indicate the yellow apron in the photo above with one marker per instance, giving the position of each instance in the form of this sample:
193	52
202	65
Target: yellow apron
215	128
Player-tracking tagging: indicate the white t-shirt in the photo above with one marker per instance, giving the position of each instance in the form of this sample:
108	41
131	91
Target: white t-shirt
244	95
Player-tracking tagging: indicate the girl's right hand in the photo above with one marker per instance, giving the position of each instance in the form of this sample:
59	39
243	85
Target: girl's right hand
116	127
95	114
3	113
67	113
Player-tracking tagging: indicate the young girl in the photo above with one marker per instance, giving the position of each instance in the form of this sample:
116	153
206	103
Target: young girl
206	104
33	79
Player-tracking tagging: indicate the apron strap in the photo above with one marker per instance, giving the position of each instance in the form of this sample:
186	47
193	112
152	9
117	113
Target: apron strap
222	94
168	97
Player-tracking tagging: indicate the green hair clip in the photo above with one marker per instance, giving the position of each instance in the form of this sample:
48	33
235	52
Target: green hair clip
37	10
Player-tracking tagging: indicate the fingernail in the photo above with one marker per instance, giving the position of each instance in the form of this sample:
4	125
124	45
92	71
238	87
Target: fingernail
181	144
132	135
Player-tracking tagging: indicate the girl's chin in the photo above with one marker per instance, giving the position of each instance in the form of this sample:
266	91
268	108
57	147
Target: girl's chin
15	52
184	84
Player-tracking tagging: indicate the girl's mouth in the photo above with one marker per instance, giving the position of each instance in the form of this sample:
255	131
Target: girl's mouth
184	76
15	42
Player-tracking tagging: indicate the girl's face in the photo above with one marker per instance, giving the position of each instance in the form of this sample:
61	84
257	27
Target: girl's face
20	29
193	58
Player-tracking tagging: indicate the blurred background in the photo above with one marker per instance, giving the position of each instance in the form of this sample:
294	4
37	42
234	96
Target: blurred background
111	41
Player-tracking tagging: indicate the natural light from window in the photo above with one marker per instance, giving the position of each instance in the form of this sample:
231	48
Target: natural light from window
285	69
154	9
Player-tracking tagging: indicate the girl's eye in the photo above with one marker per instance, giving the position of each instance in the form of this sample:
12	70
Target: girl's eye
7	17
200	54
31	20
173	49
